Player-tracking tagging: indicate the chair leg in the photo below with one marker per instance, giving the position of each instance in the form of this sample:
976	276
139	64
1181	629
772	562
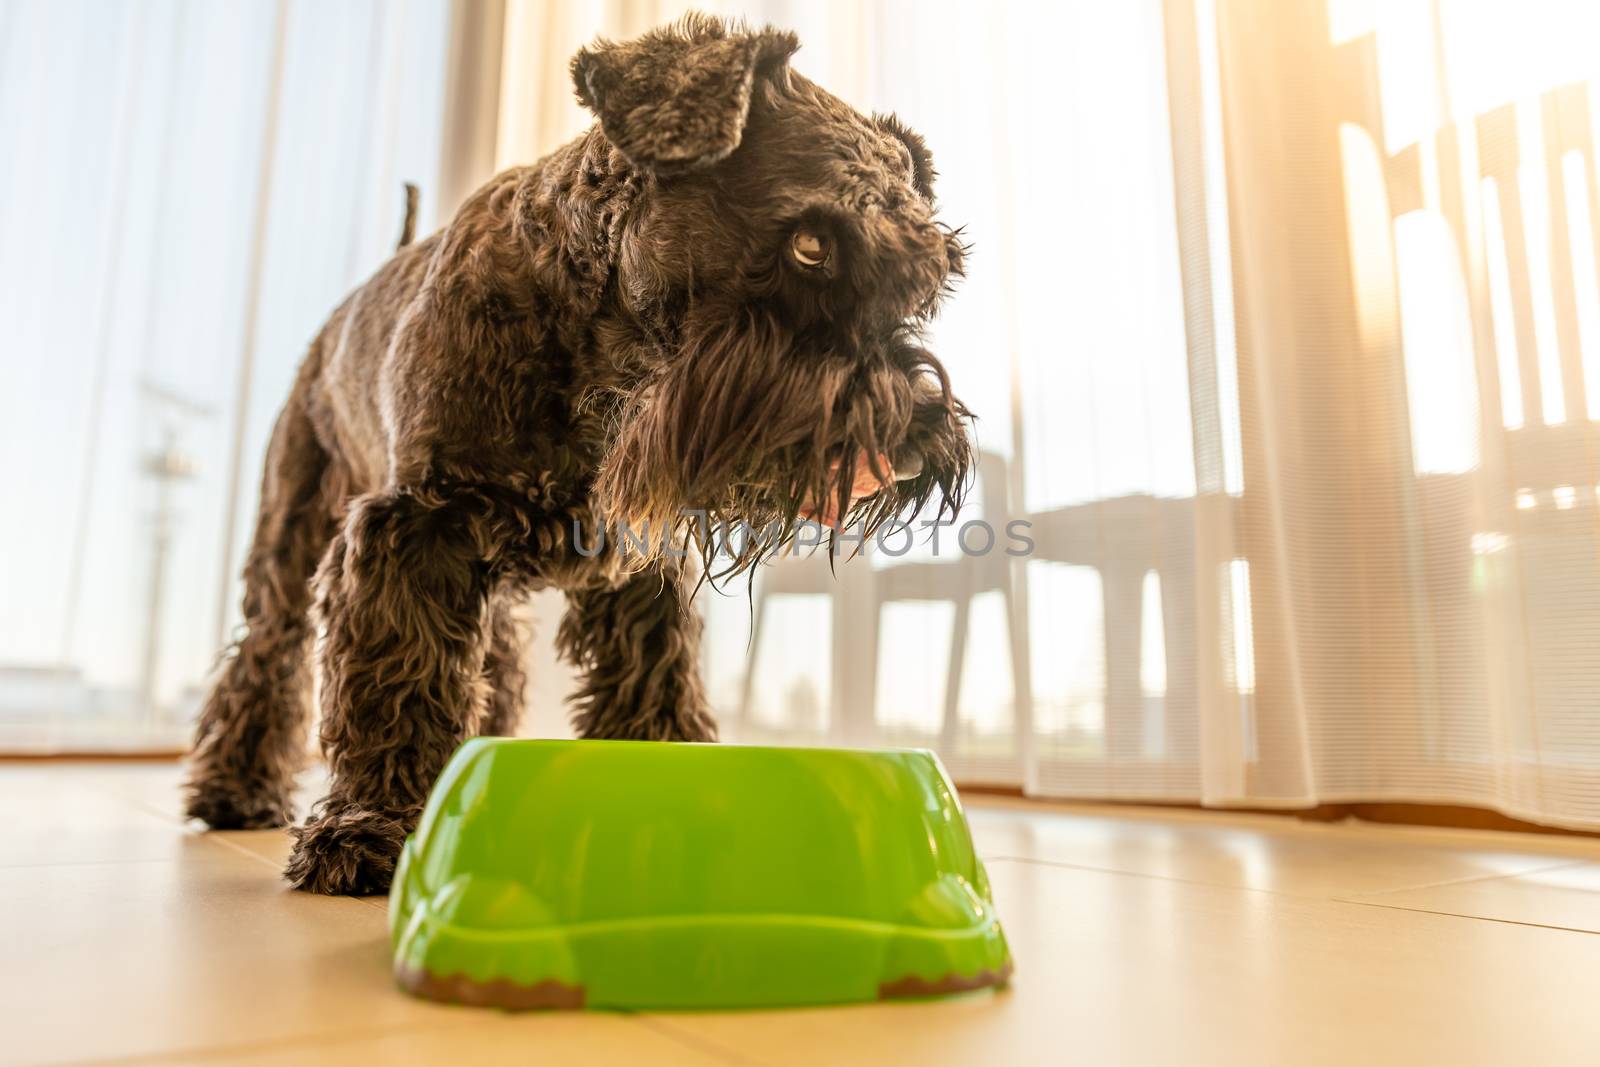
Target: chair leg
1016	598
853	689
952	679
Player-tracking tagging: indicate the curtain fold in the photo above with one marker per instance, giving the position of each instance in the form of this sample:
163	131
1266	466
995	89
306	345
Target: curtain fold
1404	187
1298	306
188	189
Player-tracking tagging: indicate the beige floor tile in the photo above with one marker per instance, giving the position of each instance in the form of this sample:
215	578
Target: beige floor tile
1567	897
156	790
62	820
132	934
271	847
153	786
158	787
1126	970
161	957
484	1040
1264	852
112	812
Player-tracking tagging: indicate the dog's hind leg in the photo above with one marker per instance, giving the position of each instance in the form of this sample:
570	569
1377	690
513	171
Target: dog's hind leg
504	669
250	739
403	593
638	645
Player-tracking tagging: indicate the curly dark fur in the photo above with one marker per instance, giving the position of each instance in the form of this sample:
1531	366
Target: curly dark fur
349	849
614	334
638	645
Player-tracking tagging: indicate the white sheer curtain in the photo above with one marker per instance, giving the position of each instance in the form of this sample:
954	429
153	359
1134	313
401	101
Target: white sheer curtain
1413	243
1282	324
189	187
1279	325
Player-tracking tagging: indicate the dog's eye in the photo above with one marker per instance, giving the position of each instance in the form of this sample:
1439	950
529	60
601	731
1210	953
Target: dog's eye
810	250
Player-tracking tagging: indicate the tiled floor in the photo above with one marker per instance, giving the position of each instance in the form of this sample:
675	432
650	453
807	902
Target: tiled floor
1141	937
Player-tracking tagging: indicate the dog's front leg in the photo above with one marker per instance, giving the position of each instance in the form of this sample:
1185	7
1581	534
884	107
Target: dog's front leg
638	646
402	595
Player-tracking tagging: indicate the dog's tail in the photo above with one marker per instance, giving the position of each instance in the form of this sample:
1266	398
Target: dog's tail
408	229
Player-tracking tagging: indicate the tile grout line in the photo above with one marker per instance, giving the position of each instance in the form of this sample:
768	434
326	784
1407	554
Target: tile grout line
148	809
180	824
149	812
1063	865
673	1032
1473	918
164	860
1461	882
335	1038
1329	899
209	1053
1479	878
233	846
379	901
1288	894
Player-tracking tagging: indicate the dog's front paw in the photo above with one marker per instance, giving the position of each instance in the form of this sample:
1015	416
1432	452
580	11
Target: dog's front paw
350	851
225	804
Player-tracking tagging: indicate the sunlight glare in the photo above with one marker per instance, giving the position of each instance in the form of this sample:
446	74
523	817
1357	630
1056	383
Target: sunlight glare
1533	184
1505	330
1436	327
1240	626
1585	284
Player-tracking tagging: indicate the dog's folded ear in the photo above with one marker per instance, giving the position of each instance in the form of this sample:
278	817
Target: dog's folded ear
677	98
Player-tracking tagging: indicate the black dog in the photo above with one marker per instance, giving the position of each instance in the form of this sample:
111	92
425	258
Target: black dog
709	302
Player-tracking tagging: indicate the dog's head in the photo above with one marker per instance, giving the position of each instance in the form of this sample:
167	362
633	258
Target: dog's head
781	257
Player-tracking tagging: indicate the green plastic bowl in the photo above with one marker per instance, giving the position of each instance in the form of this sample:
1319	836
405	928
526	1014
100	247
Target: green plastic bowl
620	874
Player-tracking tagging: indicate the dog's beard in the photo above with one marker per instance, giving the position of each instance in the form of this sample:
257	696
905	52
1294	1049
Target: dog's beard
749	428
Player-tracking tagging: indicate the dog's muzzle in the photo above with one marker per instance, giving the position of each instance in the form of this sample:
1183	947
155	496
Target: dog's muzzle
906	466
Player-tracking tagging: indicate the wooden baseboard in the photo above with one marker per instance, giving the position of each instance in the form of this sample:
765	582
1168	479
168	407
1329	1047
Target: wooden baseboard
1451	816
1460	816
159	755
